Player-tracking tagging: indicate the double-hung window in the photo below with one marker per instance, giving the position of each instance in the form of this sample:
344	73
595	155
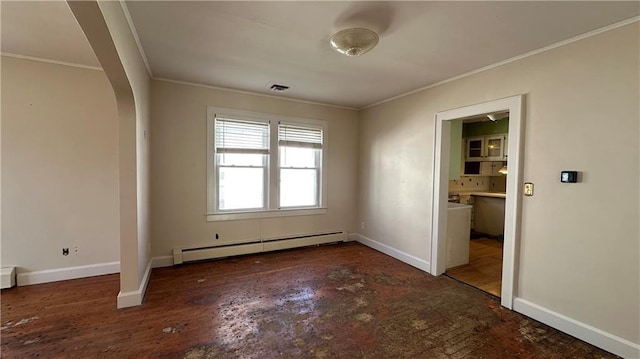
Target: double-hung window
242	150
300	162
262	165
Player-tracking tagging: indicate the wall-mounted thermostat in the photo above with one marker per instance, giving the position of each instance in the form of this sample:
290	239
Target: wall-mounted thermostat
569	176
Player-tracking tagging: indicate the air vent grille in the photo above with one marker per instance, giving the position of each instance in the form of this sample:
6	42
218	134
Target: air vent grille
278	88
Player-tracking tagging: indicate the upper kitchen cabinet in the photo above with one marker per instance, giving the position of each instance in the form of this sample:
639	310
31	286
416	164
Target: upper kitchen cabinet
486	140
486	148
475	149
495	147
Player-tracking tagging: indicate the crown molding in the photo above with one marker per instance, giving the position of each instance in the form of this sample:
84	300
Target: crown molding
40	59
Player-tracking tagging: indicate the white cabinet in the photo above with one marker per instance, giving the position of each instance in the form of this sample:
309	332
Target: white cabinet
491	168
475	149
488	213
486	148
494	148
458	233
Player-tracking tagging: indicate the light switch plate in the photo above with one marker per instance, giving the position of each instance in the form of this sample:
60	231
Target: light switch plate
528	189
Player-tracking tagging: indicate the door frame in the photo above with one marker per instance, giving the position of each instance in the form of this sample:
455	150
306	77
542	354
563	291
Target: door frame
513	202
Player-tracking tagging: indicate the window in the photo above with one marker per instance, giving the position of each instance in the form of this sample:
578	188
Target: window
262	165
300	165
242	148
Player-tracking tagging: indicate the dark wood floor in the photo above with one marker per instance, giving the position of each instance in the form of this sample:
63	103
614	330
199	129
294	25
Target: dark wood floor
339	301
484	270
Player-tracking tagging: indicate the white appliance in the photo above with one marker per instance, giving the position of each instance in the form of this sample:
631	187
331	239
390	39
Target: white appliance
458	234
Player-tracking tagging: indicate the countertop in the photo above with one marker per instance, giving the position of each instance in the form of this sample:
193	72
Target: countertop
489	194
457	205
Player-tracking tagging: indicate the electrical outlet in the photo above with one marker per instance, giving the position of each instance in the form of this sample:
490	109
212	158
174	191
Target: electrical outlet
217	236
75	250
528	189
65	251
362	225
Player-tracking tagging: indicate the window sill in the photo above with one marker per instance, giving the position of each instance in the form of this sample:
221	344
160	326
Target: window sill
215	217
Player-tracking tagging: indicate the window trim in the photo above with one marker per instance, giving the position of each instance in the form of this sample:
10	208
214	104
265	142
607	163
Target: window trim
272	191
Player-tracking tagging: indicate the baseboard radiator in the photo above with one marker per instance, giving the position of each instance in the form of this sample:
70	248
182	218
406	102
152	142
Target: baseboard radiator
197	253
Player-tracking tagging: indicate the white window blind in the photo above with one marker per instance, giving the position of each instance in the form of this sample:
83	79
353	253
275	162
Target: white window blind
296	136
259	162
234	136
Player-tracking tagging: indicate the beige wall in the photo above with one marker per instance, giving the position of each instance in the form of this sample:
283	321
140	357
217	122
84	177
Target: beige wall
579	248
59	166
179	177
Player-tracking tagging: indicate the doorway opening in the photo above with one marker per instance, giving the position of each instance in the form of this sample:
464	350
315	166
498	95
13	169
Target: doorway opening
484	268
478	170
513	106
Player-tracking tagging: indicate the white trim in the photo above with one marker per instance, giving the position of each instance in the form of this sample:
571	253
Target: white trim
161	262
352	237
129	299
56	62
215	217
54	275
7	277
513	201
390	251
134	32
586	332
135	298
512	59
254	93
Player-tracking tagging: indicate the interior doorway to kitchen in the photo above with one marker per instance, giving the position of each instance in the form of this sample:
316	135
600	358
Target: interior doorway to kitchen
512	106
478	170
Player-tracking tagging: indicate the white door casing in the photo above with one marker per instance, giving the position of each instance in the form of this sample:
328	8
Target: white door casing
513	201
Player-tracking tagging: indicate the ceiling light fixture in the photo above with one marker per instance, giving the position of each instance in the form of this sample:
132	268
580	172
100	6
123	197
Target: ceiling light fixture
497	116
354	41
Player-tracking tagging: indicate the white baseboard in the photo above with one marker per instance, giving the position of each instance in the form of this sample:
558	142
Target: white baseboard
397	254
134	298
54	275
589	334
8	277
352	237
164	261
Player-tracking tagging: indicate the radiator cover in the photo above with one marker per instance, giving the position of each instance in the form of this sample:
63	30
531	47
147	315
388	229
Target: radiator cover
196	253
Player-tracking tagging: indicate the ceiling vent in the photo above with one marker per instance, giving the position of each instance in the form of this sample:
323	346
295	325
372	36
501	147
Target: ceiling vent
277	88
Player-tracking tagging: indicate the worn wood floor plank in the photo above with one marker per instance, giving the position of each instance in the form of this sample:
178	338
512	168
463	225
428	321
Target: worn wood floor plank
339	301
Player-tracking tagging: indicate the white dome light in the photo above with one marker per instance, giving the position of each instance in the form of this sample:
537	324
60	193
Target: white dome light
354	42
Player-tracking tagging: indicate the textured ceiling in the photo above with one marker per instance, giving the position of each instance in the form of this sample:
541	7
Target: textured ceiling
248	45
